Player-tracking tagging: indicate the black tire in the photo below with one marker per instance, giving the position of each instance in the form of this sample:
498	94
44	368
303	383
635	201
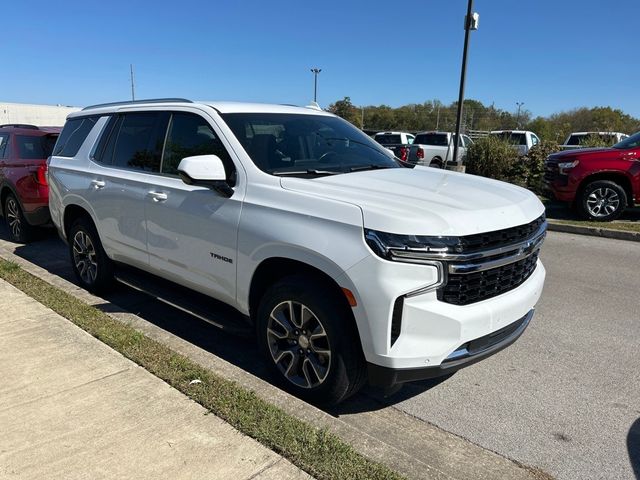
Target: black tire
436	163
602	201
343	371
19	229
92	267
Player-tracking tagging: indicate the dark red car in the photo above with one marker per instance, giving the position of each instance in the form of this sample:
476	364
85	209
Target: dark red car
24	193
602	182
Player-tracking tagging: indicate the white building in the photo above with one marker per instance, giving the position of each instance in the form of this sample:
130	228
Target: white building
40	115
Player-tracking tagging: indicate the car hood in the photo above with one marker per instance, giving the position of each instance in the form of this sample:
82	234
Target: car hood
426	201
578	152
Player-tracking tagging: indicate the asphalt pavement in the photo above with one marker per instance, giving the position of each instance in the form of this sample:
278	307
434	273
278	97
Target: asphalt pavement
564	398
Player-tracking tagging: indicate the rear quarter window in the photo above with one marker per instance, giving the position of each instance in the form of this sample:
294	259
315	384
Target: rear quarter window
35	148
73	135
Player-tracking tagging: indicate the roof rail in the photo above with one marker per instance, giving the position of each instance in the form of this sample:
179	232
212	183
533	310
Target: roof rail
20	125
134	102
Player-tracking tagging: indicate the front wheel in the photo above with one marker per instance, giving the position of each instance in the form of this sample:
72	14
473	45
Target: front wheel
602	201
309	340
92	267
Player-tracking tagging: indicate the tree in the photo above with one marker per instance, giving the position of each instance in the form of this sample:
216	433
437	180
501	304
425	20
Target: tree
347	110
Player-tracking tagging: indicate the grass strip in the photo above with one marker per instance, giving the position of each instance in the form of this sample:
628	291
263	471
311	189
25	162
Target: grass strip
317	451
619	226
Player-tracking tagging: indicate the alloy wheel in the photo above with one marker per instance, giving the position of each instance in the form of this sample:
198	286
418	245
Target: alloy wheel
84	257
603	202
299	344
13	218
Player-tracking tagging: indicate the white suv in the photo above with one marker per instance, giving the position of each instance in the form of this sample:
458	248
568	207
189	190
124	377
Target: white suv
349	264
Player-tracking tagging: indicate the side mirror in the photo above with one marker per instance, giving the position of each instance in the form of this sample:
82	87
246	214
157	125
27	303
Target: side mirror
206	171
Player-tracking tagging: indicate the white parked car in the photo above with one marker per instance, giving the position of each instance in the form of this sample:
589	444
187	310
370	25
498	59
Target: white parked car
348	265
522	140
435	149
576	139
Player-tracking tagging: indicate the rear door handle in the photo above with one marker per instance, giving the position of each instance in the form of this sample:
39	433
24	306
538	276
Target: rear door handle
97	184
158	196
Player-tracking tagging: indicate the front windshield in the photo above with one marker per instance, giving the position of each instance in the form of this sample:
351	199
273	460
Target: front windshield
306	145
630	142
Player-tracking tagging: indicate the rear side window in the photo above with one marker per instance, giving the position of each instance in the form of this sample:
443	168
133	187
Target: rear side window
35	148
73	135
435	139
4	140
388	139
189	135
576	139
135	142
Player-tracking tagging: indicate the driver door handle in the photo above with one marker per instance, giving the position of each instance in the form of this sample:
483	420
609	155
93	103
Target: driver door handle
158	196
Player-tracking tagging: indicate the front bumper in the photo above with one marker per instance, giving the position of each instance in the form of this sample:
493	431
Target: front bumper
465	355
427	331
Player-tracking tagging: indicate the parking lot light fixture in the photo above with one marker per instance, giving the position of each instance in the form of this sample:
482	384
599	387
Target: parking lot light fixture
315	72
471	22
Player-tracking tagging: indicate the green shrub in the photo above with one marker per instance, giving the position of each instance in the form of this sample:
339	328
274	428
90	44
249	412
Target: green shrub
494	158
528	170
490	157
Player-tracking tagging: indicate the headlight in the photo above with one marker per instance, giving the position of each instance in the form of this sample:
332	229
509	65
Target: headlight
564	167
411	248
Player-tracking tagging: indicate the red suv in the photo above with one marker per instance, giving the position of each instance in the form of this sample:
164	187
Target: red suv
24	193
601	182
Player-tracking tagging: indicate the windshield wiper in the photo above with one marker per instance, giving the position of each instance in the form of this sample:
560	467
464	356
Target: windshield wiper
310	171
360	168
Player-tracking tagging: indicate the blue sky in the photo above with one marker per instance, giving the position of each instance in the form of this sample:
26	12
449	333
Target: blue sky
551	55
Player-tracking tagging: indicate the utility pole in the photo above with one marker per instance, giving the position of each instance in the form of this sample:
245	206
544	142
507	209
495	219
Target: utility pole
470	23
315	72
362	119
438	118
519	104
133	88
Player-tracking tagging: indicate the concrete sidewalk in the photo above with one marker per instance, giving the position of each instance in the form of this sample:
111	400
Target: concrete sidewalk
70	407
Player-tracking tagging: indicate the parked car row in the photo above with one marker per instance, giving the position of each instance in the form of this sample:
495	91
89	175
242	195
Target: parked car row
347	264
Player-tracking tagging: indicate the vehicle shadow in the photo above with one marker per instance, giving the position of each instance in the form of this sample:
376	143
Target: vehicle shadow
633	446
49	252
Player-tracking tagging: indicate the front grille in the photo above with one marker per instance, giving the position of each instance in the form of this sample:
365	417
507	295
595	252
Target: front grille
498	238
550	171
463	289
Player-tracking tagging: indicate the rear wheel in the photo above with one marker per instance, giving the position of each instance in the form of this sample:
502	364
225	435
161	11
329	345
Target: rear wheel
602	201
92	267
19	230
309	340
436	162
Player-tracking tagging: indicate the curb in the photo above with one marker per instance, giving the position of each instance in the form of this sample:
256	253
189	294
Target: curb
593	231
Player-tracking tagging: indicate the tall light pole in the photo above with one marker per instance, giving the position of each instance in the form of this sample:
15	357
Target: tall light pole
470	23
519	104
315	72
133	88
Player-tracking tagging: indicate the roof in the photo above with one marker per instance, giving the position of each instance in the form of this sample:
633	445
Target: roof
509	131
30	129
222	107
597	133
394	133
439	132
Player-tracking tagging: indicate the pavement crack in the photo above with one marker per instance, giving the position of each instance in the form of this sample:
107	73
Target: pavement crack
265	468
